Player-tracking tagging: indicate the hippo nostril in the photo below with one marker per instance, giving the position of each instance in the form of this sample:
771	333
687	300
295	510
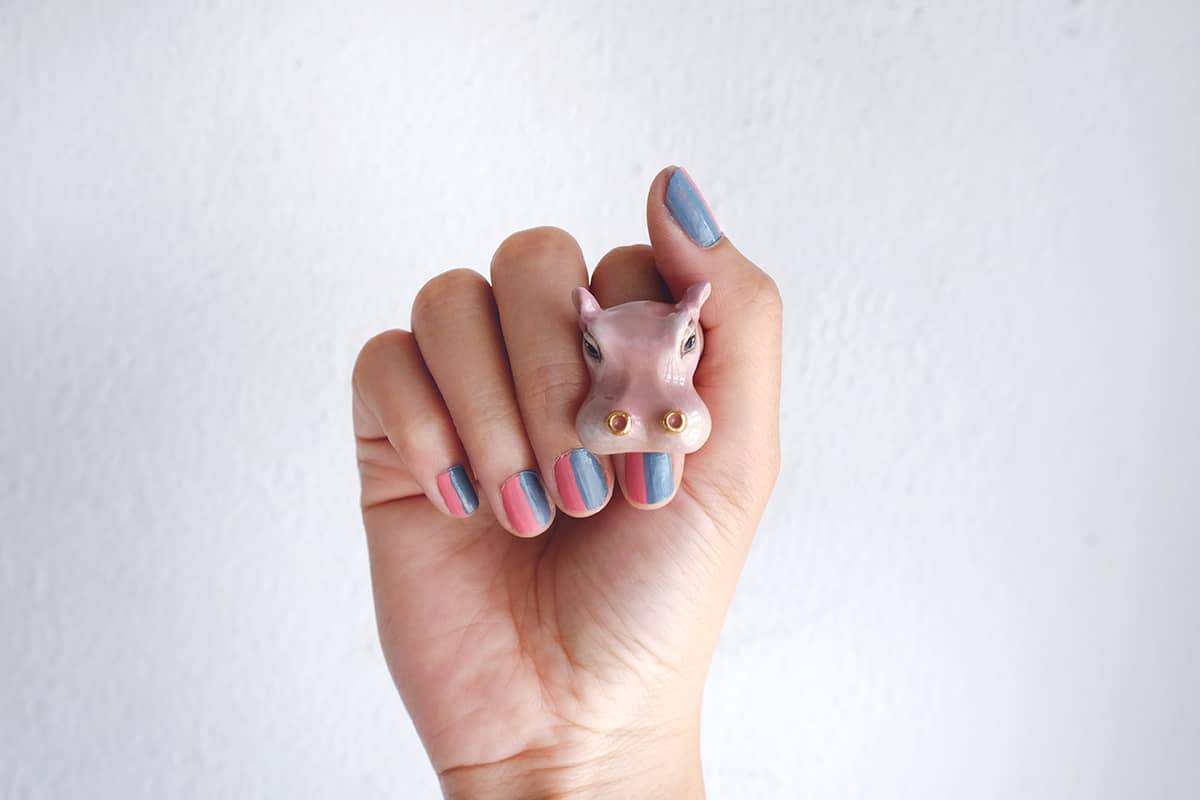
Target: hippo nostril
674	421
619	422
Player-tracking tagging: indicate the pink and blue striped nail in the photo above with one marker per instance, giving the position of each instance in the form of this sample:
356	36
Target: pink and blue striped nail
649	477
457	491
582	484
525	502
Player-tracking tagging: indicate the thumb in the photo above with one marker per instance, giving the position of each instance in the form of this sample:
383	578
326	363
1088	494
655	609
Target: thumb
738	374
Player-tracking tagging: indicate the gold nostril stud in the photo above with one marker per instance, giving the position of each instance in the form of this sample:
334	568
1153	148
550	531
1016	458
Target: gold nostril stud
674	421
619	422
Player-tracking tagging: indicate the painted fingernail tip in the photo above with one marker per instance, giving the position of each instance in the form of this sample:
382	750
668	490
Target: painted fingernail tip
582	484
525	502
457	491
649	477
690	210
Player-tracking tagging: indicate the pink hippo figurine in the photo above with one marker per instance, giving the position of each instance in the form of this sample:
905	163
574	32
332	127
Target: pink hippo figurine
642	356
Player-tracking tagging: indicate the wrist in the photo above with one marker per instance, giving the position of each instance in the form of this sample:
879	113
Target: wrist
662	764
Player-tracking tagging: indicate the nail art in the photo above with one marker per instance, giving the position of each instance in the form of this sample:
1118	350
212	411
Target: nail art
458	492
525	502
690	209
649	477
582	484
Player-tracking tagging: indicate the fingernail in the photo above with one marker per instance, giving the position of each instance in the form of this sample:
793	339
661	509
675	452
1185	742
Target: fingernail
649	477
525	502
457	491
582	484
690	210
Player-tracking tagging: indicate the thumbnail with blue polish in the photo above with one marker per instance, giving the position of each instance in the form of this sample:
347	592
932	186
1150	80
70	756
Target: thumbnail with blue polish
689	209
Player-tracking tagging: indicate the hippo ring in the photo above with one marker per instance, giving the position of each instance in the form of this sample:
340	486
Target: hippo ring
641	357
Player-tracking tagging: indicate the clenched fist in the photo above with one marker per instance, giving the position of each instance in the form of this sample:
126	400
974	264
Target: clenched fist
548	613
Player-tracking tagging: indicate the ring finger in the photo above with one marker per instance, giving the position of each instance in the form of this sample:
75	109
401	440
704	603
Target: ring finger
457	330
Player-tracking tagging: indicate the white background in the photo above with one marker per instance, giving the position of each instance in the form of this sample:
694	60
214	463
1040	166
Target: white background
978	575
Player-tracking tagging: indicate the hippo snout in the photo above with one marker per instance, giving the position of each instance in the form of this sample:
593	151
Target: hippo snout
629	427
620	422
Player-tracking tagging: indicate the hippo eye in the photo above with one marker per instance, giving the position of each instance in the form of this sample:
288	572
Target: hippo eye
689	344
590	347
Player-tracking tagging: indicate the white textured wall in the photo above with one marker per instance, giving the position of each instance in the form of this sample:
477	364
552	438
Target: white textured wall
978	575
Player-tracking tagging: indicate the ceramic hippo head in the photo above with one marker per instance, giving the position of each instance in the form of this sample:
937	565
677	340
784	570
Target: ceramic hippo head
642	356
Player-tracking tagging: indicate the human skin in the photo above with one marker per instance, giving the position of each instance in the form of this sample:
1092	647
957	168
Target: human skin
560	651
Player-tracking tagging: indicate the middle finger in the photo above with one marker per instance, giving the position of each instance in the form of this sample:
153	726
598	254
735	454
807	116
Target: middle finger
533	273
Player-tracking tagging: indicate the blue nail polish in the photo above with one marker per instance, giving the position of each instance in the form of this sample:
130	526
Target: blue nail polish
589	477
464	489
690	211
525	502
532	485
659	476
457	491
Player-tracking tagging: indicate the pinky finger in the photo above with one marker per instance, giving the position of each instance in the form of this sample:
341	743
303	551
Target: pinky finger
405	413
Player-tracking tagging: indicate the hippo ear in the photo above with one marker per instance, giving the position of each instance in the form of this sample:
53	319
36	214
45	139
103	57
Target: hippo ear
586	305
694	298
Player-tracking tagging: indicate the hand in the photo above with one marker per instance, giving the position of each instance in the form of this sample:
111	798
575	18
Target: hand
570	658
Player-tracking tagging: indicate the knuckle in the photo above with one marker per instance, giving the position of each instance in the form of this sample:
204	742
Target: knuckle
553	388
448	289
759	293
523	246
414	432
768	293
492	411
630	253
621	264
380	349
